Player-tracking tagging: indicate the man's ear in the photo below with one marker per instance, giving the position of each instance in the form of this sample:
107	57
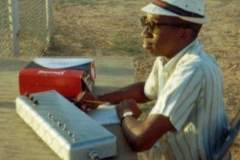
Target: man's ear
186	34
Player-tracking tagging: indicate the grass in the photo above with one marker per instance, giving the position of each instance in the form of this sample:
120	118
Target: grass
127	46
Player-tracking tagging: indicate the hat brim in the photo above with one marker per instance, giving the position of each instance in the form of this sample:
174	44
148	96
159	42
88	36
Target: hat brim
154	9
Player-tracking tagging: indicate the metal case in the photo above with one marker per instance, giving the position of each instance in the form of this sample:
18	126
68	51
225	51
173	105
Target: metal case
68	131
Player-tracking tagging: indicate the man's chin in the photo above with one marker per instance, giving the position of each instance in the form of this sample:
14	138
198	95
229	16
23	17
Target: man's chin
150	51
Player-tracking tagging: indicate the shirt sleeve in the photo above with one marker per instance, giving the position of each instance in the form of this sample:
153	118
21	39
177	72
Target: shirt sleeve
180	95
151	85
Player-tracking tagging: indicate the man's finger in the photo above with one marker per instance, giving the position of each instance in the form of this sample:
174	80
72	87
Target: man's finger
83	108
80	95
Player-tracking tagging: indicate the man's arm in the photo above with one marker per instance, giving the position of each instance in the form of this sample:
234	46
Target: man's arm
134	91
142	135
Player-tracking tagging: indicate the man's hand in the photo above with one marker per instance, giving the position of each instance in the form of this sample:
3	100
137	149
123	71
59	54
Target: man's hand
82	97
128	105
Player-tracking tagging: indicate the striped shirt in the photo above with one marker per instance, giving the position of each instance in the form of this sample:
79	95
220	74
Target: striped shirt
189	90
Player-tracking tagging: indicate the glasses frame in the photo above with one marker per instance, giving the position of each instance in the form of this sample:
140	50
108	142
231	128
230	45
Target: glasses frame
151	26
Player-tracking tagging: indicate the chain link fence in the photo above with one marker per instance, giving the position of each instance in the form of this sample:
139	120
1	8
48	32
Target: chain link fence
5	30
35	19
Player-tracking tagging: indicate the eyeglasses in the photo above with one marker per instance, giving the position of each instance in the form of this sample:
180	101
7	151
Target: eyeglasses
154	27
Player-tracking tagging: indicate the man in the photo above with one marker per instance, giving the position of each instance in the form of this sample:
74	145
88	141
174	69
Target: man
188	120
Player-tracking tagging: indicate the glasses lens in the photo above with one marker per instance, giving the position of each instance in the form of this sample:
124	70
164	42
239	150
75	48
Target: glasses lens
145	23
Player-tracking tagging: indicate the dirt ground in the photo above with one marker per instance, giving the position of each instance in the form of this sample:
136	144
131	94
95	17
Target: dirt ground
107	27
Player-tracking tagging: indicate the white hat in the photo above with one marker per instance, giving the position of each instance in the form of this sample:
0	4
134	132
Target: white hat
188	10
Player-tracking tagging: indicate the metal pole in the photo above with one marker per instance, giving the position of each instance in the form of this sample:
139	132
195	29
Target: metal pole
49	22
14	26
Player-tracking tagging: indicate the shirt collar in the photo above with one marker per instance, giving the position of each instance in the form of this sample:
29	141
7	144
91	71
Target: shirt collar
171	64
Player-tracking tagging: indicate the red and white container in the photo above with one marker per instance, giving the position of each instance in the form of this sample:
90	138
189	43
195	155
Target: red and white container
68	76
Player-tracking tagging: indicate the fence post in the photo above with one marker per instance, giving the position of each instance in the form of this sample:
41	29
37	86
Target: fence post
49	20
14	25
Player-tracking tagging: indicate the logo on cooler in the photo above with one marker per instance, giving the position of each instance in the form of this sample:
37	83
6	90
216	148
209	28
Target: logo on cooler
51	72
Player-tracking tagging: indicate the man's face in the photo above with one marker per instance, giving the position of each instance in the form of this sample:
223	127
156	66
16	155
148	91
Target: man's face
163	39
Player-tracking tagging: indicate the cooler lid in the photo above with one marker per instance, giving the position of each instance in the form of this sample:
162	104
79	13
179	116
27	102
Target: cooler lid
59	63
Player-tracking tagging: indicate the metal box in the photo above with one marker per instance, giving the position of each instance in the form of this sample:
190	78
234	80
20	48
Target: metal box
68	131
